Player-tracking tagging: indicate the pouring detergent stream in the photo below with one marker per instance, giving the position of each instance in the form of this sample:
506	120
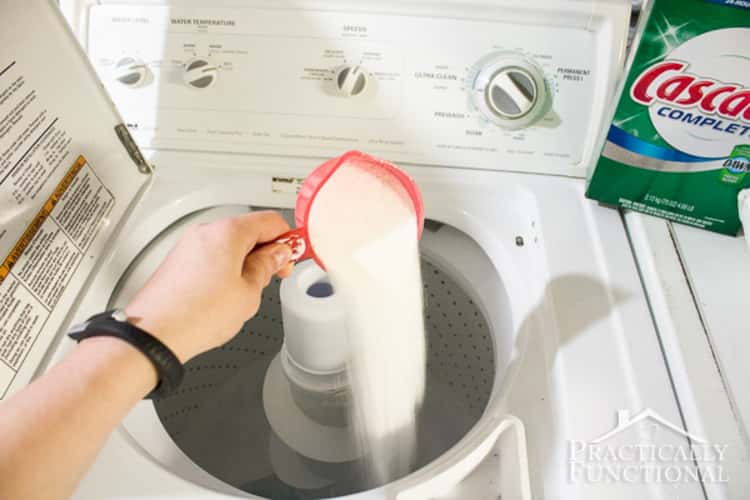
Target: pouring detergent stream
361	218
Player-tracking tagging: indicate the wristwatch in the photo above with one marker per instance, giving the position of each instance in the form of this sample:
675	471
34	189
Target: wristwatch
115	323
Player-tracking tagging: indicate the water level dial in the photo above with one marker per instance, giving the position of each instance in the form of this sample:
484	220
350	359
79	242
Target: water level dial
131	72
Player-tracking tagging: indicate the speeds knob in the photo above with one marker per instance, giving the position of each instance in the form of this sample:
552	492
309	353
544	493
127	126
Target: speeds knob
131	72
350	80
200	73
510	91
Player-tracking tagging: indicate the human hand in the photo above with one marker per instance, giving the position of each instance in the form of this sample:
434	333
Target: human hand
211	282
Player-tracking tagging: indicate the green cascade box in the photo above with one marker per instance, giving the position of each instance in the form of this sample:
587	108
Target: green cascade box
679	143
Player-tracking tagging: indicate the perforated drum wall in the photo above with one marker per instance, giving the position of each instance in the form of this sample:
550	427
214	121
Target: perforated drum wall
217	416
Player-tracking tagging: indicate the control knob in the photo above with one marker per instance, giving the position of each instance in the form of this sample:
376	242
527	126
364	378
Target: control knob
510	91
350	80
200	73
131	72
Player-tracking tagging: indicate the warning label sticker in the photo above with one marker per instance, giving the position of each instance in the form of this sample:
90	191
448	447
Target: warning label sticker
39	266
68	182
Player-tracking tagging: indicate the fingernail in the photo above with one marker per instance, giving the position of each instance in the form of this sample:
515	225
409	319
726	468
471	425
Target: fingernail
281	255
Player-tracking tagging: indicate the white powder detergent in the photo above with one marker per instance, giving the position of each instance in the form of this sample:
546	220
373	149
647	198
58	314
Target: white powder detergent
363	226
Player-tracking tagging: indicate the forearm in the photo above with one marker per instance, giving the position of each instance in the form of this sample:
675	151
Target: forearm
52	431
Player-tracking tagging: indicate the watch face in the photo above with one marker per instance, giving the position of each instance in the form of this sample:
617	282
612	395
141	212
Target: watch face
115	314
118	315
78	329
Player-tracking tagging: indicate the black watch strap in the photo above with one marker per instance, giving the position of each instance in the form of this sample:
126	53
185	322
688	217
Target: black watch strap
114	324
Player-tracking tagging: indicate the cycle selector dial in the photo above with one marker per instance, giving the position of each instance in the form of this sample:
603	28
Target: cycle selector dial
200	73
350	80
510	91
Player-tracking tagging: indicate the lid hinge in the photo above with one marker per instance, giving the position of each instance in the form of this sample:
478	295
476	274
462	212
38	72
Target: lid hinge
132	148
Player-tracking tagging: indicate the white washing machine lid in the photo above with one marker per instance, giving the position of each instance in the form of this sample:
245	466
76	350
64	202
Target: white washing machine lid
69	174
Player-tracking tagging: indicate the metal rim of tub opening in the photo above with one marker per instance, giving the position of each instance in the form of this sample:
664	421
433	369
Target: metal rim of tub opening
215	431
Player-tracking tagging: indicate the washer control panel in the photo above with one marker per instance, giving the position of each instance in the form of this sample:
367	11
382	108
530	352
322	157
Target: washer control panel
434	90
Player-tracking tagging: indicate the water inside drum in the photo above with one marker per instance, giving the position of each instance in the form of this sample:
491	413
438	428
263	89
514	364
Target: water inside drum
217	416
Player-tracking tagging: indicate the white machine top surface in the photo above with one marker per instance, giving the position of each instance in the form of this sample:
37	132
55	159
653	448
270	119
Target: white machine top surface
718	268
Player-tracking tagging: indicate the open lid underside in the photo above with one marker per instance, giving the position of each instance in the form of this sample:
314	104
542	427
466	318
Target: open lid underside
68	175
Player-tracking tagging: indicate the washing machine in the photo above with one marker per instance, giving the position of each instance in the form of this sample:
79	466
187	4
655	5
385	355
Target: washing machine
132	120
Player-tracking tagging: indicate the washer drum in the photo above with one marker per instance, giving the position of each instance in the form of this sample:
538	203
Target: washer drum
218	421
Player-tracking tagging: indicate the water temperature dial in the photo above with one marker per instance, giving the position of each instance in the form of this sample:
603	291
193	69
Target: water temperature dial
509	90
199	73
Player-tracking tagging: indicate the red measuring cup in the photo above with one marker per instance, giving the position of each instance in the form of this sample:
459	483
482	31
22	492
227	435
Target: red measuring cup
299	240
